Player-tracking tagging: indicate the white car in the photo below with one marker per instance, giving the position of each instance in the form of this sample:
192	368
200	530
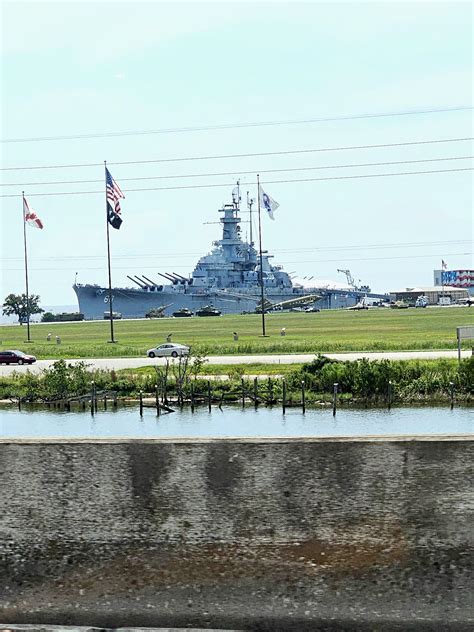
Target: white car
169	349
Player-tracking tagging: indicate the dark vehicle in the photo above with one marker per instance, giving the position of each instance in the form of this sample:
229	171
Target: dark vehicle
184	312
49	317
115	315
208	310
16	357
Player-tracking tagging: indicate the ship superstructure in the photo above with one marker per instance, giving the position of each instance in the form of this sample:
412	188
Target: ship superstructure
228	278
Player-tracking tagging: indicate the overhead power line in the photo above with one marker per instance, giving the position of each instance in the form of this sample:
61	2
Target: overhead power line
339	260
284	251
241	173
206	128
229	184
248	155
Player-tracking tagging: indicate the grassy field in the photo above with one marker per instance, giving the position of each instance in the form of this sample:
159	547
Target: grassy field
326	331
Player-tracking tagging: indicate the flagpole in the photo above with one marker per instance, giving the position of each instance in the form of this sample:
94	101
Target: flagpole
261	257
108	257
26	268
442	277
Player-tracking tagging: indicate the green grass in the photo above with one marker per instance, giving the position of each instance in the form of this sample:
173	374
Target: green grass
327	331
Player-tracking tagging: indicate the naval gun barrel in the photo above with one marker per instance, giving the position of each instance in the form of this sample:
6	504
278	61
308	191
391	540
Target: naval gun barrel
153	284
179	276
146	285
140	284
168	277
174	277
182	278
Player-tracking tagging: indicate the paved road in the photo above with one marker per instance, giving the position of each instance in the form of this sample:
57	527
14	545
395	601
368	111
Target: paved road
133	363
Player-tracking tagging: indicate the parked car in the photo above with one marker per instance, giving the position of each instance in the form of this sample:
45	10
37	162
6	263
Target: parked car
169	349
16	357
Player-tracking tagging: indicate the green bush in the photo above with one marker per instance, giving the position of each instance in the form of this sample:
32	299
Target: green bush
361	380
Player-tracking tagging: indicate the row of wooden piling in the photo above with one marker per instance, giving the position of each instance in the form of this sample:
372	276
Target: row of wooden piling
257	398
93	399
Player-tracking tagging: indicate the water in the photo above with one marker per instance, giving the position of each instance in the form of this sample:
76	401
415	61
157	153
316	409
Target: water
234	422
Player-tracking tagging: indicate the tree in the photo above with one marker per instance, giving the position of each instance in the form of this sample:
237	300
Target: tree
16	304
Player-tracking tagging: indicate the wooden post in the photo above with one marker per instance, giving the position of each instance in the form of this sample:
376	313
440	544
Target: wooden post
192	397
451	389
95	398
303	400
389	394
141	403
19	403
255	392
92	398
209	395
270	391
334	398
243	392
105	401
115	399
157	401
283	401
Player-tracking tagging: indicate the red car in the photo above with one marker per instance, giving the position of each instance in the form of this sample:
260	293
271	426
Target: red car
16	357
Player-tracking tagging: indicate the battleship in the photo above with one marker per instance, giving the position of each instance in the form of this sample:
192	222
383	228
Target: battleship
227	279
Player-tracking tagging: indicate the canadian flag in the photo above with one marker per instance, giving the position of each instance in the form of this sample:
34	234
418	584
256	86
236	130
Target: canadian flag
30	216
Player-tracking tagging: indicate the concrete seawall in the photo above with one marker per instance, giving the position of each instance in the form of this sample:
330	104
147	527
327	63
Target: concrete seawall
267	534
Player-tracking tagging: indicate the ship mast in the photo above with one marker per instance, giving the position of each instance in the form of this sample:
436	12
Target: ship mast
250	202
236	195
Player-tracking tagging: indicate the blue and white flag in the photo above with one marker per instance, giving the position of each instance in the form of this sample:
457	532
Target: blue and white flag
268	203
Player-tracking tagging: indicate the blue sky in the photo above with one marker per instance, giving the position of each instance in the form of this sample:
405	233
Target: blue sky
99	67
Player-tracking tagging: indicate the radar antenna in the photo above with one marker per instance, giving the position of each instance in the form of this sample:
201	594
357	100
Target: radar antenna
236	195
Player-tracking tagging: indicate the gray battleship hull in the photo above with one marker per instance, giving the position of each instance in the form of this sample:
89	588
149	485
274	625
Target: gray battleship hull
135	303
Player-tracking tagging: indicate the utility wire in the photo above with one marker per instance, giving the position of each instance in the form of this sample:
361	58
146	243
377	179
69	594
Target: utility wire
418	244
231	173
174	130
249	155
339	260
228	184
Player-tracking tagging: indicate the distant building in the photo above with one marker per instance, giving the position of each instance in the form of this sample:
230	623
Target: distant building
435	295
455	278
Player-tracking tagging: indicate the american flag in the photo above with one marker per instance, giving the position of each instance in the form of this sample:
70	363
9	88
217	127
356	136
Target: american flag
114	193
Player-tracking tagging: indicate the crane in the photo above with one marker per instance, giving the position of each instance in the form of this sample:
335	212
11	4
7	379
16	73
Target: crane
349	277
351	282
